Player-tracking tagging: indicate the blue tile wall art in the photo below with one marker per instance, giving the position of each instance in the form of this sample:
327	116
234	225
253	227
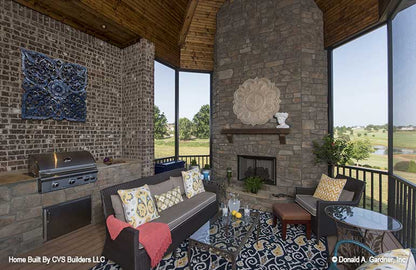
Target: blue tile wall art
53	88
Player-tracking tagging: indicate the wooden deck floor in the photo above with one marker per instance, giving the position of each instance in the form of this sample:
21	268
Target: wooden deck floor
88	242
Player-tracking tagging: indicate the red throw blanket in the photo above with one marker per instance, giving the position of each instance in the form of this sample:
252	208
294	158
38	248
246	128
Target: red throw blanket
154	236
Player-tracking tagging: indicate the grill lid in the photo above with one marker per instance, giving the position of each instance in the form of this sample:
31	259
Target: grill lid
53	163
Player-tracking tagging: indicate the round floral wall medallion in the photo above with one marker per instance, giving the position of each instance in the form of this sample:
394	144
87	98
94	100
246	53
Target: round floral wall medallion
256	101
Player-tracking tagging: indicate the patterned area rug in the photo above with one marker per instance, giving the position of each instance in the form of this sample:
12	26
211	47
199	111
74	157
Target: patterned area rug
272	252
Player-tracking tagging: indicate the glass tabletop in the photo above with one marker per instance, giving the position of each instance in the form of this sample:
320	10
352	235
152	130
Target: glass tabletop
362	218
226	233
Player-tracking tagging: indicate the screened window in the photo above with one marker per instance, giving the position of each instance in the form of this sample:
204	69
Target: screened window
194	113
360	97
164	114
404	93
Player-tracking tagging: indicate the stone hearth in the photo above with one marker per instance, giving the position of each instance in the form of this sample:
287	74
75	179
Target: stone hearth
283	42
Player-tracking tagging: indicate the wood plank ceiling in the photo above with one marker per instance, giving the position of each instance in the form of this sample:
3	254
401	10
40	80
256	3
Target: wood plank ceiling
183	31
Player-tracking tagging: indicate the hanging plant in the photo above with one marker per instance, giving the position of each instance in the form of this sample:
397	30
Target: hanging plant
332	150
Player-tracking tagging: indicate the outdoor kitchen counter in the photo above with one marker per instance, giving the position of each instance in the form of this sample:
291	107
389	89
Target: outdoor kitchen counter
7	178
22	206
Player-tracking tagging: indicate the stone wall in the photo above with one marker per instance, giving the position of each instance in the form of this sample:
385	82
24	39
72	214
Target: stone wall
21	222
102	132
282	41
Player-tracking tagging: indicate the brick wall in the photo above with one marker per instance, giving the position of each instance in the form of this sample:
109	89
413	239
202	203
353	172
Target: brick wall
137	101
282	41
101	134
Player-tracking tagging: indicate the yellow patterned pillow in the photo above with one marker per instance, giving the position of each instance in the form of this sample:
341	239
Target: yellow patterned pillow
192	182
138	205
168	199
397	259
329	189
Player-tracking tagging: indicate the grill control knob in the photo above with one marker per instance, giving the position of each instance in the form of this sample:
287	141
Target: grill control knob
71	182
55	184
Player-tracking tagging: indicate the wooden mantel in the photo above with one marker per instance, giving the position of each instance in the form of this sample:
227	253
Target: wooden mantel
282	132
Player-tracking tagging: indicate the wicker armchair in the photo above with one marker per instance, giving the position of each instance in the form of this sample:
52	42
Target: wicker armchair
322	225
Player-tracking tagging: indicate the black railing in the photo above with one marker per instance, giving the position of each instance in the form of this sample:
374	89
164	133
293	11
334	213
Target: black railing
201	160
376	186
397	199
403	208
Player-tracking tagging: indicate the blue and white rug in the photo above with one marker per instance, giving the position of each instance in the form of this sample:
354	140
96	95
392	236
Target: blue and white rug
272	252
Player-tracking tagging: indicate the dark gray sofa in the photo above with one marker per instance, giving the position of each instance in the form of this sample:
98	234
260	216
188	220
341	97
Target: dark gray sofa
322	225
183	220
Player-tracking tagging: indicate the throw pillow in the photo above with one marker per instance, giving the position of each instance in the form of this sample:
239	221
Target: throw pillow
118	207
138	205
329	189
397	259
192	182
168	199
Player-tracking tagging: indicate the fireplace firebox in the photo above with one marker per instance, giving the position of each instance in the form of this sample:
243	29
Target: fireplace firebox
263	167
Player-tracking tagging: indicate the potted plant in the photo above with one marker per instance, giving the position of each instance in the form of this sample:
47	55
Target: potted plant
332	150
193	164
253	184
206	171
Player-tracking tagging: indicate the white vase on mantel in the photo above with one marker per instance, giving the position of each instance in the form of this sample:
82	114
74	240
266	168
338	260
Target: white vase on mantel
281	119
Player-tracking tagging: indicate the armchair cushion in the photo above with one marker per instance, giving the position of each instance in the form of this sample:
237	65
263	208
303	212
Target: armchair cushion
329	189
346	196
308	202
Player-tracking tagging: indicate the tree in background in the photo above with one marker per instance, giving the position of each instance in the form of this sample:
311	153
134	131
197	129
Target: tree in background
185	128
361	149
160	123
201	123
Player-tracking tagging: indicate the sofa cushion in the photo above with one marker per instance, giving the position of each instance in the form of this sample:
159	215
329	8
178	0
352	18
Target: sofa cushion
162	187
329	189
168	199
346	195
179	213
308	202
138	205
118	207
178	181
192	182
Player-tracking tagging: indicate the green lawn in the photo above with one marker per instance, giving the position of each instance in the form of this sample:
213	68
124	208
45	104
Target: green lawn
166	147
401	139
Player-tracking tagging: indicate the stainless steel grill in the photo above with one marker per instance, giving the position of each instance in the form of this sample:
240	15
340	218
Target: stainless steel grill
57	171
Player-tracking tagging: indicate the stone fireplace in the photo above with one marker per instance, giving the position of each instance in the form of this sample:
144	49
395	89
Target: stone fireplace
283	42
263	167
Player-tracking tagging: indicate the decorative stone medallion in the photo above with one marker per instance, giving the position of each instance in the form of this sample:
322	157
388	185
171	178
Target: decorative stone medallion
256	101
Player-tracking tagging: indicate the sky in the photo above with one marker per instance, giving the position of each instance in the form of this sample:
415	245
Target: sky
404	67
194	91
360	80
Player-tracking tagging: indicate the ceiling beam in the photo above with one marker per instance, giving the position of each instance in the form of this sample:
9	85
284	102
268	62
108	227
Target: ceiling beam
190	12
